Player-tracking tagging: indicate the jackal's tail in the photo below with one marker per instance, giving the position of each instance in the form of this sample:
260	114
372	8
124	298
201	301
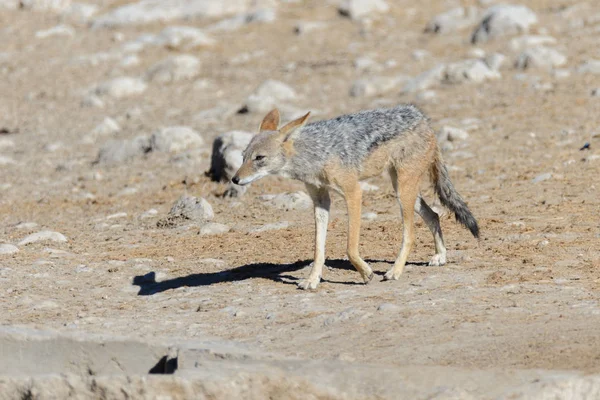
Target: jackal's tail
449	196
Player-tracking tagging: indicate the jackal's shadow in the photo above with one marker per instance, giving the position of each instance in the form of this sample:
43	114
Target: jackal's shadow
275	272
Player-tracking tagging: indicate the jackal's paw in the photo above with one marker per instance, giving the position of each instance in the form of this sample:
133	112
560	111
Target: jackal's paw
309	284
437	260
391	275
368	277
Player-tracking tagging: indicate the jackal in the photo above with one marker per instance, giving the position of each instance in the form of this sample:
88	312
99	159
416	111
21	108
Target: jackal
338	153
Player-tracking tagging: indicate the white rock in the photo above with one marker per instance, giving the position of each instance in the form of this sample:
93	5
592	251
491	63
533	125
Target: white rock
121	87
561	73
149	213
524	42
475	71
453	20
540	57
452	134
130	61
45	5
183	38
426	95
59	30
4	160
373	86
369	216
118	151
503	19
26	225
268	95
265	15
107	127
303	27
388	307
81	12
227	158
476	53
174	69
270	227
175	139
542	177
148	11
367	187
6	143
214	228
6	248
43	236
91	100
195	209
357	9
288	201
425	80
590	67
494	61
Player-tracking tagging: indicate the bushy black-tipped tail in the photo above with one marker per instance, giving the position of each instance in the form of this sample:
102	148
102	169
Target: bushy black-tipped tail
450	197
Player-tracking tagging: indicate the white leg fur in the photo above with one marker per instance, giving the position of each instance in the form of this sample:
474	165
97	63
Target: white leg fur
322	203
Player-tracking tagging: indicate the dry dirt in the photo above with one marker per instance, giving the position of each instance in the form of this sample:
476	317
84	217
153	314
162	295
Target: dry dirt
526	295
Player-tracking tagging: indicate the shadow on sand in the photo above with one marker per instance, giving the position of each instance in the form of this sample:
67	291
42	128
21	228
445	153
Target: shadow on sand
275	272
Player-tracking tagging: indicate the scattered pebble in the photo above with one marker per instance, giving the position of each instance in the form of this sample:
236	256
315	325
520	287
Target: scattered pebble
542	177
213	228
6	248
270	227
43	236
288	201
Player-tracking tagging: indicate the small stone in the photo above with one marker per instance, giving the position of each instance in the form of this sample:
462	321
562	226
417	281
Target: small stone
214	228
453	20
527	41
43	236
81	12
503	19
183	38
270	227
542	177
595	92
590	67
388	307
117	215
59	30
288	201
119	151
192	208
130	61
452	134
494	61
540	57
174	69
304	27
475	71
107	127
369	216
149	213
368	87
26	225
367	187
121	87
6	248
357	9
176	139
425	80
91	100
268	95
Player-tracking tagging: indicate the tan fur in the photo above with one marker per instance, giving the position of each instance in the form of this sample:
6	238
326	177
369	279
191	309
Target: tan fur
288	148
289	127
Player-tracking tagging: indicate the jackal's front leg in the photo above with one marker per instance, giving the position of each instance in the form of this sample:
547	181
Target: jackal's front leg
322	203
353	195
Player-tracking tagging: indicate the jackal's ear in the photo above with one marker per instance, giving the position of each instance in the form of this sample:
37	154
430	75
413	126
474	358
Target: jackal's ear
291	127
270	122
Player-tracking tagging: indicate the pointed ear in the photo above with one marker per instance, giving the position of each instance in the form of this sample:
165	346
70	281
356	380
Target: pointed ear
270	122
293	126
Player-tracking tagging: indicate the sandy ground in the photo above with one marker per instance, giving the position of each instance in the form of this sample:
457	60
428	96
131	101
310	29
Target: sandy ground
526	295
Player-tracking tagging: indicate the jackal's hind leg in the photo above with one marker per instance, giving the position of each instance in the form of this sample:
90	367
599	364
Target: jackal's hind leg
322	203
433	223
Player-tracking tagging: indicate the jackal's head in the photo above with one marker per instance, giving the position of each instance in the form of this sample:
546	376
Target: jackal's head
268	151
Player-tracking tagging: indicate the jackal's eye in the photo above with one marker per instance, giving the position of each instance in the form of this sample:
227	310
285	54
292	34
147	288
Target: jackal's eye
258	158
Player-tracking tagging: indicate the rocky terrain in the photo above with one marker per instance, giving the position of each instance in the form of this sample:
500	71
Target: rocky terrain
121	123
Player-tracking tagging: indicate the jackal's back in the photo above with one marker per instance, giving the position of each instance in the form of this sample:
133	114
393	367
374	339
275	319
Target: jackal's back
352	137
